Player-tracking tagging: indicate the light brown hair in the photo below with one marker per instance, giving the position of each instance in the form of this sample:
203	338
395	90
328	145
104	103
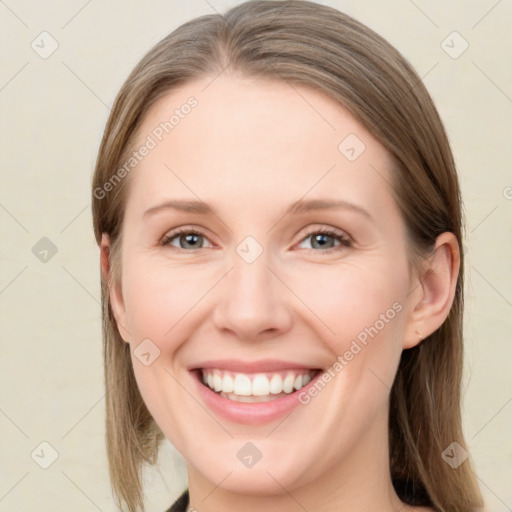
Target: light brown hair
304	43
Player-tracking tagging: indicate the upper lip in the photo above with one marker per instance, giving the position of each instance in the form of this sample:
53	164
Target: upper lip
263	365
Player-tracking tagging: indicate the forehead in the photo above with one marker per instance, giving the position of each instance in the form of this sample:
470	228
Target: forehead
226	136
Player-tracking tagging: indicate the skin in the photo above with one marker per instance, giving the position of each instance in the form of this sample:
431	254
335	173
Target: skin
249	149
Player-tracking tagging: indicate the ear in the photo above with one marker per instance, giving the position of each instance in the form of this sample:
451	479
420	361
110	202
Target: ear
434	290
115	290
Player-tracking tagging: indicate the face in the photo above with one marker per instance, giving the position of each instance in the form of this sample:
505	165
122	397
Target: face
286	289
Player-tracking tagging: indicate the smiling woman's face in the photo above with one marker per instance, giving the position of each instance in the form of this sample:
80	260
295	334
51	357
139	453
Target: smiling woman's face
262	296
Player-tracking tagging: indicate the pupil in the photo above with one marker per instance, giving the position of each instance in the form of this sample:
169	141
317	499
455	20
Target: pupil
320	239
190	239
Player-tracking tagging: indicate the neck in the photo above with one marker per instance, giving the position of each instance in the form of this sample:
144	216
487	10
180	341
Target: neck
360	481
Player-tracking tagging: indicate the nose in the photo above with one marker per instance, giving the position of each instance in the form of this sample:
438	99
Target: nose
254	303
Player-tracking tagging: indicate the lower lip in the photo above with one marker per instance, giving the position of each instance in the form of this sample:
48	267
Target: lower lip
250	413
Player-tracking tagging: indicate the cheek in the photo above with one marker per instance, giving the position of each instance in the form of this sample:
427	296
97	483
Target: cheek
353	300
161	300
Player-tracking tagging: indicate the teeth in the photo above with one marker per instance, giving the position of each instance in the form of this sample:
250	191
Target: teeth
217	382
228	384
288	383
236	386
276	384
260	386
242	385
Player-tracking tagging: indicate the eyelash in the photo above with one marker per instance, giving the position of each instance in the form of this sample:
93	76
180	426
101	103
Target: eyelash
341	237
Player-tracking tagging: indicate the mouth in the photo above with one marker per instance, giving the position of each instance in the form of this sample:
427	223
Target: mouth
255	387
252	393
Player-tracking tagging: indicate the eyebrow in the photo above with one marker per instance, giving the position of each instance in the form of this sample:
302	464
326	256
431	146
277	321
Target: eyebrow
297	207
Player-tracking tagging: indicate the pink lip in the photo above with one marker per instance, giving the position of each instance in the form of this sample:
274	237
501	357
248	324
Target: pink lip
249	413
264	365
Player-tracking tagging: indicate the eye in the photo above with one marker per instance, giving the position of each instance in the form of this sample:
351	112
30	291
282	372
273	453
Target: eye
325	239
186	239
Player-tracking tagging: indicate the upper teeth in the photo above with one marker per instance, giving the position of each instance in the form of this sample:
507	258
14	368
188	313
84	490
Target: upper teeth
258	384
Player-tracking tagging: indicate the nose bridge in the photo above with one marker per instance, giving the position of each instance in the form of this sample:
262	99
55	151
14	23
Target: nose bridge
253	300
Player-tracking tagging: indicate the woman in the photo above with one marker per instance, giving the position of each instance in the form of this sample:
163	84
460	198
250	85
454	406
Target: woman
279	219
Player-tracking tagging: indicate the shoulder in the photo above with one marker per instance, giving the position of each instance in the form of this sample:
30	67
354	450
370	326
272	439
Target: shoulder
180	505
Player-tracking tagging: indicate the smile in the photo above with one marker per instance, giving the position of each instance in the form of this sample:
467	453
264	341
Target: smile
252	392
255	387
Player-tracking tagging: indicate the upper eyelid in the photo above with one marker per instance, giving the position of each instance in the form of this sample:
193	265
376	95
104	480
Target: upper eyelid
171	234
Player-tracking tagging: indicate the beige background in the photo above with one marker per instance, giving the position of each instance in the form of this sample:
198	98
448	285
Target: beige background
52	115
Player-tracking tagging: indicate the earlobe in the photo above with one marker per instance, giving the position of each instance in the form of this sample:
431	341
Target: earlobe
436	284
115	291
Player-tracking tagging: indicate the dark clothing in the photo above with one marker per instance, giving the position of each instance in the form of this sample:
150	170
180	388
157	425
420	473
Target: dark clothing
181	504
